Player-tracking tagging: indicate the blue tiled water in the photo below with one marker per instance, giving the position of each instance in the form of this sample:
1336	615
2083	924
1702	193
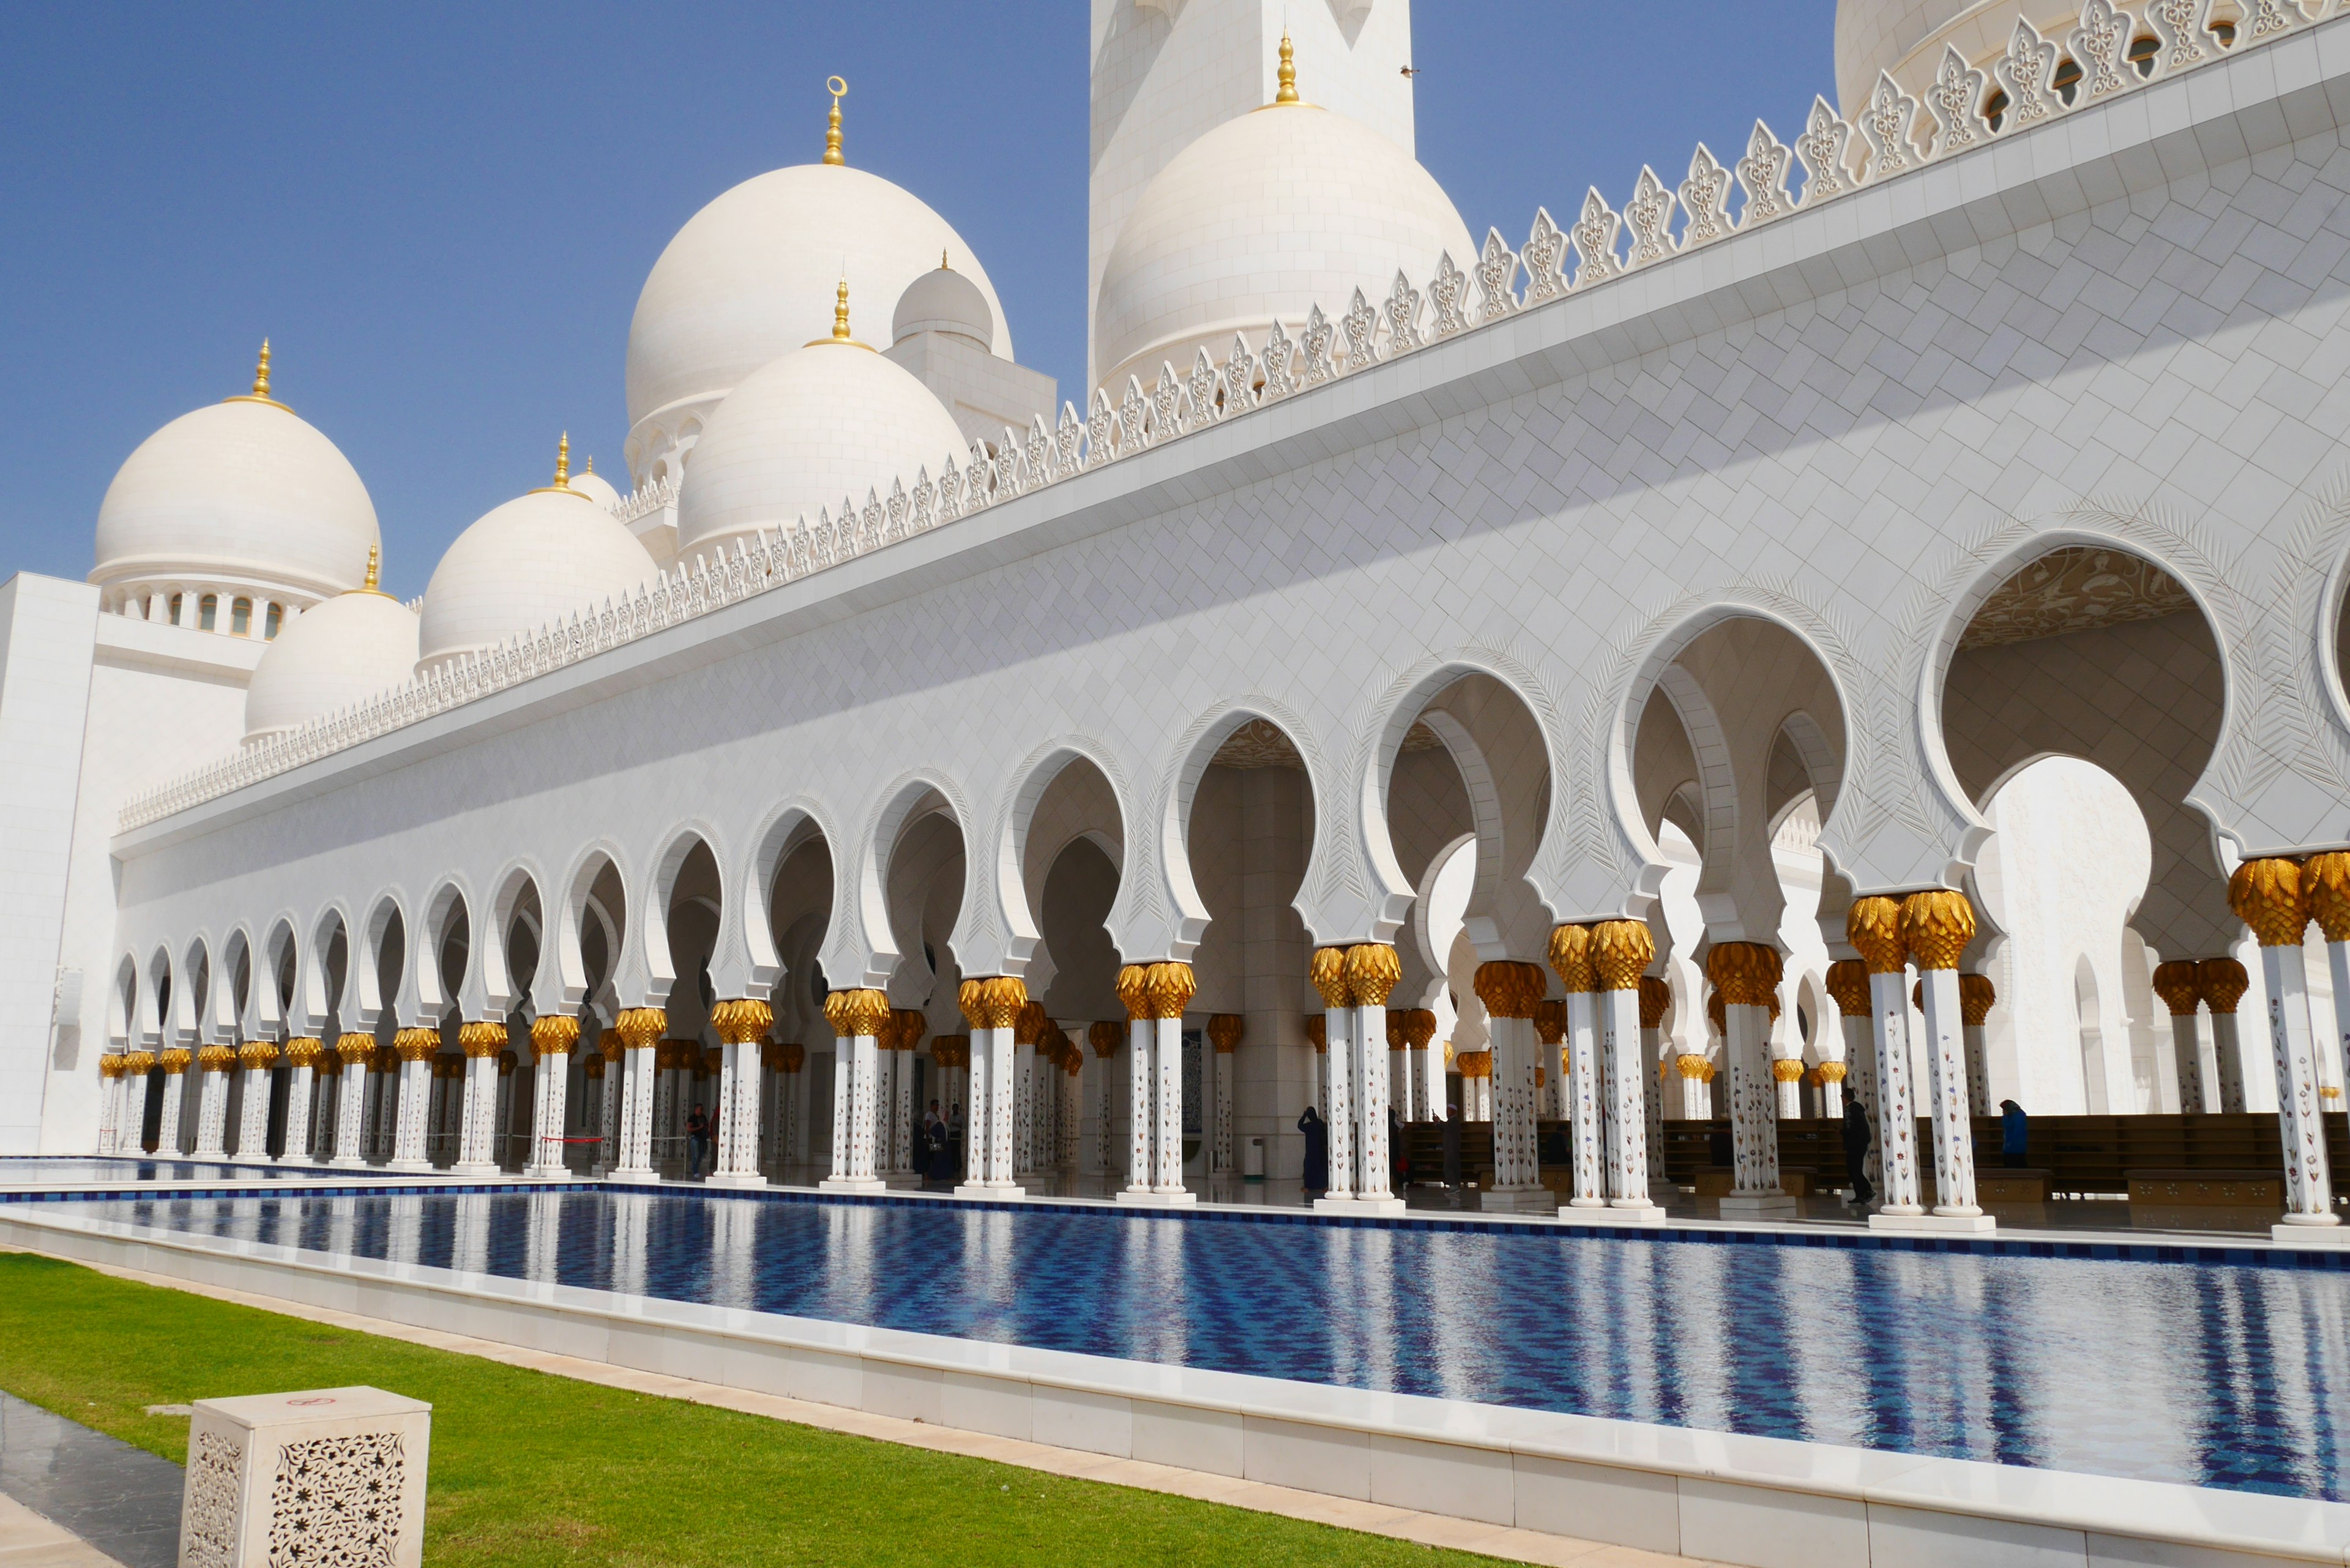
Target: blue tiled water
2215	1373
26	1170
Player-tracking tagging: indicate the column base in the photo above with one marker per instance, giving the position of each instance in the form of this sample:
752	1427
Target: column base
1747	1205
473	1167
1387	1204
560	1173
991	1189
852	1184
1150	1197
641	1178
1531	1199
1634	1214
409	1165
340	1162
1939	1224
2315	1230
737	1180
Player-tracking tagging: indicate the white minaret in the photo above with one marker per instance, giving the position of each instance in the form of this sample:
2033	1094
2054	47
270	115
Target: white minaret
1167	71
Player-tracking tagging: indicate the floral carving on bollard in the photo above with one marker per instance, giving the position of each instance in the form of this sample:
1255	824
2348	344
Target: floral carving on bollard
330	1476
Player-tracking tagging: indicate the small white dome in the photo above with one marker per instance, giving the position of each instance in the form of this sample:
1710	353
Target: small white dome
824	423
242	493
524	564
1906	38
1262	218
343	651
596	488
750	278
943	300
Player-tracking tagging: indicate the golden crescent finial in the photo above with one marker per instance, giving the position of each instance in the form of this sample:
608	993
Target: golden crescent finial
1288	93
838	90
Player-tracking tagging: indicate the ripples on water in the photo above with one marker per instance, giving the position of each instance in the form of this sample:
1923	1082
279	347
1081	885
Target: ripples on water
2207	1374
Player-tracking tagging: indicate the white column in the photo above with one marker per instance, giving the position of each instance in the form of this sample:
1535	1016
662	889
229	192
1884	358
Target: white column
1104	1036
1372	971
1897	1121
1584	1112
253	1126
1621	1044
354	1051
1976	995
2273	897
1329	976
1849	985
551	1040
975	1107
864	1086
640	1028
212	1104
481	1041
179	1062
1936	926
734	1152
1141	1144
303	1055
1747	975
1167	1047
2181	993
2224	983
1511	991
841	1074
1224	1038
1023	1100
416	1048
885	1098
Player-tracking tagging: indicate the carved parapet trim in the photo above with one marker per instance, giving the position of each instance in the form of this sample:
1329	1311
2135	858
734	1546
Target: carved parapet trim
1847	987
1570	958
555	1033
484	1038
856	1013
1224	1031
2223	981
995	1003
1935	927
2270	896
1327	970
1509	989
1745	974
1873	926
1976	997
1656	1001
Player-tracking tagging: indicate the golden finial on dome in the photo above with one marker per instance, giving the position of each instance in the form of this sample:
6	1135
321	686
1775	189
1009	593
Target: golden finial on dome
840	312
591	463
375	564
942	260
563	462
838	90
1288	93
260	393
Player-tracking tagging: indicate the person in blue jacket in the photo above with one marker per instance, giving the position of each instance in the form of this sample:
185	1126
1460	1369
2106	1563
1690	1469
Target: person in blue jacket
2013	1130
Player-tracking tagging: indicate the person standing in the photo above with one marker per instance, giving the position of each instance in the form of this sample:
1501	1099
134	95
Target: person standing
1317	1152
1857	1139
697	1141
2015	1135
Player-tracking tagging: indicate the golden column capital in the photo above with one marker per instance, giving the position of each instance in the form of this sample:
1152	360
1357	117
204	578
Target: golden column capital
1398	1029
2328	878
1372	971
1715	1011
216	1058
1474	1063
1935	927
1168	988
740	1019
856	1013
2180	985
1873	926
2270	897
1133	990
1318	1033
1509	989
555	1033
638	1027
305	1051
257	1054
508	1061
791	1056
1976	997
110	1065
139	1063
2224	983
994	1003
1656	998
419	1044
1028	1023
1847	987
480	1039
1224	1031
1419	1027
1327	970
1787	1069
354	1049
1621	952
609	1045
1550	1020
914	1023
1570	958
1745	974
1103	1034
1831	1071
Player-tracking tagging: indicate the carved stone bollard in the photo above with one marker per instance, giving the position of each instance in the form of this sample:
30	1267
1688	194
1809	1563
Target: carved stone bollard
331	1475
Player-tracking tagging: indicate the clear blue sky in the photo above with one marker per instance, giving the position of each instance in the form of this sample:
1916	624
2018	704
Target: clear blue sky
441	215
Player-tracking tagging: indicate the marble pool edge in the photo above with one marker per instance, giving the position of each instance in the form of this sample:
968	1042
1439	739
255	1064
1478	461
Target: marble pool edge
1754	1500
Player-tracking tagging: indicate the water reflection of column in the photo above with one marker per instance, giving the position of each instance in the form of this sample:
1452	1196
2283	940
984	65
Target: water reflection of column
342	1225
1570	958
632	1217
733	1221
1329	977
640	1029
2273	897
851	1285
1873	926
405	1235
542	1233
1224	1034
1156	1303
469	1249
303	1053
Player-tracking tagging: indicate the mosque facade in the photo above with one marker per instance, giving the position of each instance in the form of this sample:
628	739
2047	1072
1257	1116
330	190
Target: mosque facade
1417	666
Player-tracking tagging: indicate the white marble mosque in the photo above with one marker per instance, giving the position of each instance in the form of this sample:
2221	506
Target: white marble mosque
1884	578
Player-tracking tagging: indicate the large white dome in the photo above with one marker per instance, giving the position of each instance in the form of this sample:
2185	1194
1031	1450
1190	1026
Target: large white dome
750	278
1265	216
523	565
242	495
824	423
344	652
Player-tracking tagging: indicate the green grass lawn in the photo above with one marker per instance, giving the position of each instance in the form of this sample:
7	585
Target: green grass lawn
532	1469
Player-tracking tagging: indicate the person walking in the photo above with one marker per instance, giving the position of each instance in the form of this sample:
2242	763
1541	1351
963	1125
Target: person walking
2015	1135
1857	1139
1317	1152
934	1145
697	1141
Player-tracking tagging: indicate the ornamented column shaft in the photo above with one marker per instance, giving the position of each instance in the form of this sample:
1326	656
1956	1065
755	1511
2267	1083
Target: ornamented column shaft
2223	984
175	1061
2273	897
1935	927
640	1030
109	1100
1328	973
1873	926
211	1087
1977	996
1570	956
1621	951
742	1024
612	1123
1848	986
2327	877
1832	1090
991	1007
551	1040
1168	988
415	1048
791	1061
858	1017
911	1028
256	1057
1656	998
1510	990
304	1053
2180	985
1224	1034
1317	1036
1372	971
1424	1064
1027	1032
356	1052
477	1126
1104	1035
1747	975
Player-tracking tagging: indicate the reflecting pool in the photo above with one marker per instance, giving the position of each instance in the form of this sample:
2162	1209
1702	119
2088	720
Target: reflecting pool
2211	1373
46	1170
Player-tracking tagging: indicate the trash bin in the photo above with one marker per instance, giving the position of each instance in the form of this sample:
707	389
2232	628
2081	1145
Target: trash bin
1252	1160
